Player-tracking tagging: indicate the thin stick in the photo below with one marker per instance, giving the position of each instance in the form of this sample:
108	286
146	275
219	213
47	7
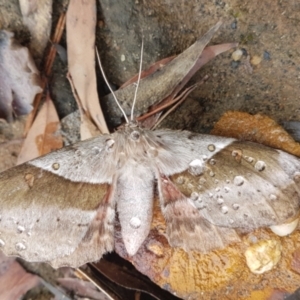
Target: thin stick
59	29
138	81
106	81
90	279
184	95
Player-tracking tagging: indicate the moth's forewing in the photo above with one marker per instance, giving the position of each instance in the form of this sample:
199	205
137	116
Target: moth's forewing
46	217
245	185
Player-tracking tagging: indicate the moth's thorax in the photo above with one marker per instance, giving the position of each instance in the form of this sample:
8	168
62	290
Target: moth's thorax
132	141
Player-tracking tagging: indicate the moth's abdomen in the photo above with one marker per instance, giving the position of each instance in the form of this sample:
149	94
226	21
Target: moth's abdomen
134	199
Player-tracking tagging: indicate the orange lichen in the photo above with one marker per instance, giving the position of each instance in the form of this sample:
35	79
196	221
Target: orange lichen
255	128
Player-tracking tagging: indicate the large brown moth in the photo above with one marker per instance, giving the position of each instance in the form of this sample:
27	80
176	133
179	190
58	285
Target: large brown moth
60	208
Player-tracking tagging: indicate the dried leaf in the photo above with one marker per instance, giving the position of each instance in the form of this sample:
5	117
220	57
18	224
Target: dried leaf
256	128
168	81
82	288
153	68
19	79
81	23
14	280
42	137
87	128
122	275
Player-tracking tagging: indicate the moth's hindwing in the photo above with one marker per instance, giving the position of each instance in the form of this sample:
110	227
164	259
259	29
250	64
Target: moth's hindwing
186	228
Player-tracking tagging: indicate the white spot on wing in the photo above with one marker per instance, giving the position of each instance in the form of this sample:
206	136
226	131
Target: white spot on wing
20	246
260	165
135	222
196	167
238	180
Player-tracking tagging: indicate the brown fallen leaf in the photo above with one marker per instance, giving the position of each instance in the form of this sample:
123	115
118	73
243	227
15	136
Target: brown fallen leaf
123	277
166	81
256	128
81	24
19	78
153	68
14	280
42	137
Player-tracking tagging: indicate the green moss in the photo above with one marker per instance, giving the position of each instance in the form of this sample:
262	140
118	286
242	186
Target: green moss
247	38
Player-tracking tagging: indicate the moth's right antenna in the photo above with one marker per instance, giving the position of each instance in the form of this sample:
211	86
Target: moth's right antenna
106	81
138	81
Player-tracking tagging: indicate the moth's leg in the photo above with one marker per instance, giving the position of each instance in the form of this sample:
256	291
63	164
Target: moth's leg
186	228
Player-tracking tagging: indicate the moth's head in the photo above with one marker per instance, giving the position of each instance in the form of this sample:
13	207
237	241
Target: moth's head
130	132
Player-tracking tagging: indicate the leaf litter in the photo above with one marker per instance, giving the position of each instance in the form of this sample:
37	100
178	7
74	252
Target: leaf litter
43	136
19	78
81	26
14	280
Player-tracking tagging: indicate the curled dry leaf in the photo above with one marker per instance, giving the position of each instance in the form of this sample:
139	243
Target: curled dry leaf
14	280
153	68
81	24
42	137
123	278
179	94
19	78
167	80
256	128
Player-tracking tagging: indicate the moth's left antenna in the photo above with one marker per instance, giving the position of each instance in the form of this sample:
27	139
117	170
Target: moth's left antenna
138	81
106	81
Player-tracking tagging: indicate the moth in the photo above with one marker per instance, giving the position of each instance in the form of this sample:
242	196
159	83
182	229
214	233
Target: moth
61	208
